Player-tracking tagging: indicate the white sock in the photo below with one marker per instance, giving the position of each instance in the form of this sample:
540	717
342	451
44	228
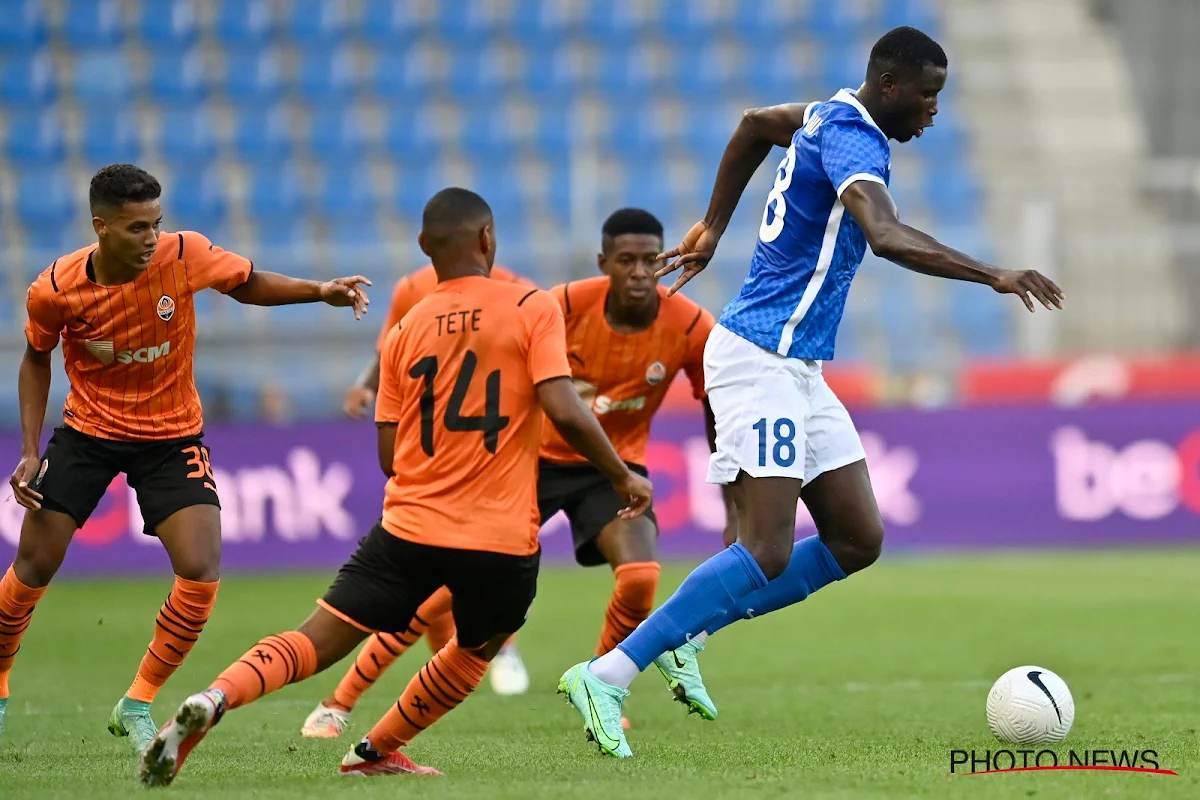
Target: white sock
615	668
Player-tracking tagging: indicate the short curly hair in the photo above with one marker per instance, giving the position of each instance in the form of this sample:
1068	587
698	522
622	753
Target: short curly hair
906	49
118	184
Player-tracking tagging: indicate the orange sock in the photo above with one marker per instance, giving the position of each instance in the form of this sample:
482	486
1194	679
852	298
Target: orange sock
16	610
437	689
382	650
270	665
178	626
632	600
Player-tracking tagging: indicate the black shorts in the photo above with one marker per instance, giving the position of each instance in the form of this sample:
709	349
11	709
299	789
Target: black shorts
587	498
387	579
167	475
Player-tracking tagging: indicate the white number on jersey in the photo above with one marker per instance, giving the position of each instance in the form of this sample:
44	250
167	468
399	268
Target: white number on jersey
772	221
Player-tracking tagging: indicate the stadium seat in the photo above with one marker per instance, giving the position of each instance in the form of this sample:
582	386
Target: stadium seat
336	135
194	199
167	25
412	136
981	319
324	75
253	76
90	24
35	138
177	78
45	198
468	23
539	23
767	21
275	194
244	22
186	136
110	137
392	24
406	76
27	80
22	27
345	193
322	22
102	79
263	135
836	24
480	75
916	13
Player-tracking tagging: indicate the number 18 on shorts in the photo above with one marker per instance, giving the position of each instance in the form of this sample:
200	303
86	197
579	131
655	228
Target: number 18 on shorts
776	416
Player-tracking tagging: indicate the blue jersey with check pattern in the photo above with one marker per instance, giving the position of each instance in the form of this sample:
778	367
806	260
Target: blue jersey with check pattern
808	247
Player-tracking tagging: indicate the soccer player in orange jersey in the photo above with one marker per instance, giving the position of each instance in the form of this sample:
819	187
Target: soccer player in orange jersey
506	672
124	312
464	380
408	291
626	341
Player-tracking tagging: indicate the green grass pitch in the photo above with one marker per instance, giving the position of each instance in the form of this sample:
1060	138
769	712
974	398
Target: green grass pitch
861	691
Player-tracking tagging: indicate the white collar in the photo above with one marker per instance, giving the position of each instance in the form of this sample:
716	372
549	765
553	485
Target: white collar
848	97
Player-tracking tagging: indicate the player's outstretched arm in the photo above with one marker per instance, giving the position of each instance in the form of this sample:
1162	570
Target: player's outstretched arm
872	208
33	392
580	428
273	289
759	130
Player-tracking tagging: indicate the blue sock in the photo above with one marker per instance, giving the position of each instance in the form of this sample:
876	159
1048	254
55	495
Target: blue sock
811	567
712	592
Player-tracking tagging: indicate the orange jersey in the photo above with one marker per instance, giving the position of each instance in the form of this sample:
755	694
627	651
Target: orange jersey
624	377
413	288
128	348
457	377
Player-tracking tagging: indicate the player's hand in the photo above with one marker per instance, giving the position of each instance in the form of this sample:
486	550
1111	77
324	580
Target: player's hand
637	491
358	402
1026	282
344	292
693	254
22	476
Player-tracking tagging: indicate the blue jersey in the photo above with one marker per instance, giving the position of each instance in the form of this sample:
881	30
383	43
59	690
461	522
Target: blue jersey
808	247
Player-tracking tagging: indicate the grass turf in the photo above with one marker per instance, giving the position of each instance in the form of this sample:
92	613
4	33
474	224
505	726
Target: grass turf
862	691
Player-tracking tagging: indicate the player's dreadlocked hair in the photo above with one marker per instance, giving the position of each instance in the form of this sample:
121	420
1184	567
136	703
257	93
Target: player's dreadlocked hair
118	184
630	220
905	49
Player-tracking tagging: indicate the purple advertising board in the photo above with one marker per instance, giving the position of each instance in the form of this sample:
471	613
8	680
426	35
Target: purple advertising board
299	497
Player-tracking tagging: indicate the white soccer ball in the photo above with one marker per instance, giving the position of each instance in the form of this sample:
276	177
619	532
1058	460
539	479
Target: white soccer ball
1030	705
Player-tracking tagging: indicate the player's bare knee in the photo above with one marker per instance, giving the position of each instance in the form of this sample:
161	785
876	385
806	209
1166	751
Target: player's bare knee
771	556
35	570
859	549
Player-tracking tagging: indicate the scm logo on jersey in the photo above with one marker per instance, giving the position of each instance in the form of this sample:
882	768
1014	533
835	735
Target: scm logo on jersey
144	355
166	308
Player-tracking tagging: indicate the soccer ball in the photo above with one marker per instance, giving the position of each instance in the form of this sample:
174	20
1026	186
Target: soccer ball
1030	705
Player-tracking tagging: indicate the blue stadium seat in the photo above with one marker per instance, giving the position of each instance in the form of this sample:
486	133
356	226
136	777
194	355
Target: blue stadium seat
981	319
619	20
35	138
317	21
336	134
415	187
275	194
467	23
244	22
22	26
195	200
92	23
167	25
404	76
554	129
45	198
542	22
772	72
263	135
187	136
411	136
27	80
102	78
110	138
841	67
836	24
253	76
393	24
555	73
285	232
916	13
765	22
177	78
324	75
476	75
625	71
690	20
953	194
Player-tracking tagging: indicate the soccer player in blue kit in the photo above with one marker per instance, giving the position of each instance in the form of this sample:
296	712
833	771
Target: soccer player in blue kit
782	435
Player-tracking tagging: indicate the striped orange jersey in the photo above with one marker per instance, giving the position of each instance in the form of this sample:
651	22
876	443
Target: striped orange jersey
624	377
128	348
412	288
458	378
